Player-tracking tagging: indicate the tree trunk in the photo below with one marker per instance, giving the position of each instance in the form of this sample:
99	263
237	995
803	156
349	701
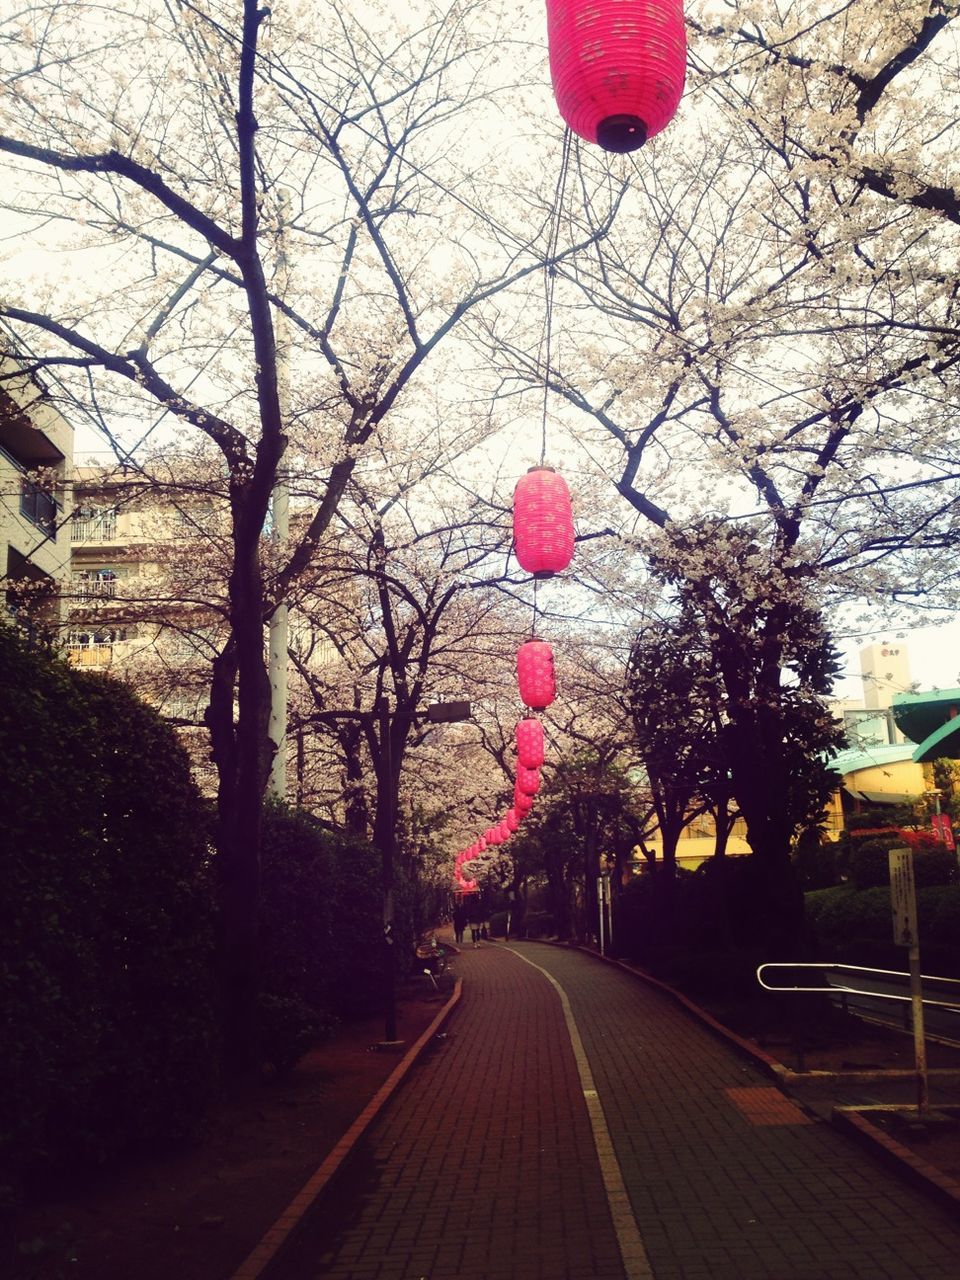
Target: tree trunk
356	816
241	754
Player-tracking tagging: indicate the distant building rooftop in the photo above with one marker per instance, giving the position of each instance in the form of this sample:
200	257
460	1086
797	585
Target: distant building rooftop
931	720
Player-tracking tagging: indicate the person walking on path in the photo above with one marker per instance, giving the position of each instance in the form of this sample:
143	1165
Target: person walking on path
459	923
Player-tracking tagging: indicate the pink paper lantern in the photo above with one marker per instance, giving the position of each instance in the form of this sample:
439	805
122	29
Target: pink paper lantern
535	674
618	67
542	522
512	819
521	801
528	780
529	737
493	836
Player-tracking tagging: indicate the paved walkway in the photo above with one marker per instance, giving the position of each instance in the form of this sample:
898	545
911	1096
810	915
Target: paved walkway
496	1161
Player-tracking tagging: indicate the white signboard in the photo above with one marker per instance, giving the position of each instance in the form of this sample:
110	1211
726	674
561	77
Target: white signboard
903	897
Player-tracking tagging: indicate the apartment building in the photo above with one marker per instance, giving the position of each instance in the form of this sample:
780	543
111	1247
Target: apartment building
143	600
36	455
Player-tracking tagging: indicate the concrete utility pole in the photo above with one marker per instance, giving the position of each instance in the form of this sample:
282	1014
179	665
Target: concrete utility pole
279	623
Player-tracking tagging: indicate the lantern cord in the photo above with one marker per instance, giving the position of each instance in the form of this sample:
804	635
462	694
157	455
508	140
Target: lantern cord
550	275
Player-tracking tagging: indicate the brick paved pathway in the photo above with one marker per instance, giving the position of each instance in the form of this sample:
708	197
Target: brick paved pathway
484	1166
727	1178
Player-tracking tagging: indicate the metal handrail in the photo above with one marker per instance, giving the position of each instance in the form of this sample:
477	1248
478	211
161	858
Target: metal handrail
856	991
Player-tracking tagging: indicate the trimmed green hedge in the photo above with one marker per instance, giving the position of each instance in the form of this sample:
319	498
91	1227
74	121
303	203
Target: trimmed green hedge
107	963
320	917
106	993
539	924
855	926
870	868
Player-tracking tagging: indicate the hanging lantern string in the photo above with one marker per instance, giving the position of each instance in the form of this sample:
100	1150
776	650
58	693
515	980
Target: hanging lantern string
546	337
550	275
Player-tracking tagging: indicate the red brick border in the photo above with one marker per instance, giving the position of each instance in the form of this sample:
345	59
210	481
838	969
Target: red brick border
907	1162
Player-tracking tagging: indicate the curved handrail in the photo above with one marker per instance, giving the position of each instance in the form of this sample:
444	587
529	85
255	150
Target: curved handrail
855	991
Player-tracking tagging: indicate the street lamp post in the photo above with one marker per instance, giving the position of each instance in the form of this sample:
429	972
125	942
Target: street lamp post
387	840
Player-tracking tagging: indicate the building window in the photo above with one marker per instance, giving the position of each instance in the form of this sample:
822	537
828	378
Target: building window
39	507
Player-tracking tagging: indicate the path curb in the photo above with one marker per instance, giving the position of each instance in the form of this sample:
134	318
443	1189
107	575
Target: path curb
906	1162
257	1263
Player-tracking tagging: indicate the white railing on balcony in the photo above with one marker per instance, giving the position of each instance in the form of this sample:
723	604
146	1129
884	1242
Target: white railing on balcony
86	654
101	527
86	588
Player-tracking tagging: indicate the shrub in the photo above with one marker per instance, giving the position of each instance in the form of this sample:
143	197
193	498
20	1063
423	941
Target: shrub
288	1028
539	924
856	927
321	911
817	862
105	921
498	924
933	865
869	864
711	975
841	917
944	915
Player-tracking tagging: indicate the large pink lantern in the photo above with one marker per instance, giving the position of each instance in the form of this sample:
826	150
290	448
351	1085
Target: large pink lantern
535	674
542	522
618	67
529	736
528	780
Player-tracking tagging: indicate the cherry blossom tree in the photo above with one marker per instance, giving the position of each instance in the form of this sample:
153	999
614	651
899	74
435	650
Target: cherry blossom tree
408	600
258	225
770	368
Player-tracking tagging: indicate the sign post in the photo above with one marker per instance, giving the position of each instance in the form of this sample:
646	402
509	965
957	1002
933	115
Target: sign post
903	900
604	904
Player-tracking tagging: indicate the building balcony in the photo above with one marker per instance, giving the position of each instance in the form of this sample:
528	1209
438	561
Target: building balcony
101	527
93	648
90	655
84	587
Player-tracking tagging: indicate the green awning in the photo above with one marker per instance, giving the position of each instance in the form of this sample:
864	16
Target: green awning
931	720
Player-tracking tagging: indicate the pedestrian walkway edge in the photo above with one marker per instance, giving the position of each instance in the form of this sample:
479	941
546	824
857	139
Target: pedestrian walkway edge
759	1056
255	1265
